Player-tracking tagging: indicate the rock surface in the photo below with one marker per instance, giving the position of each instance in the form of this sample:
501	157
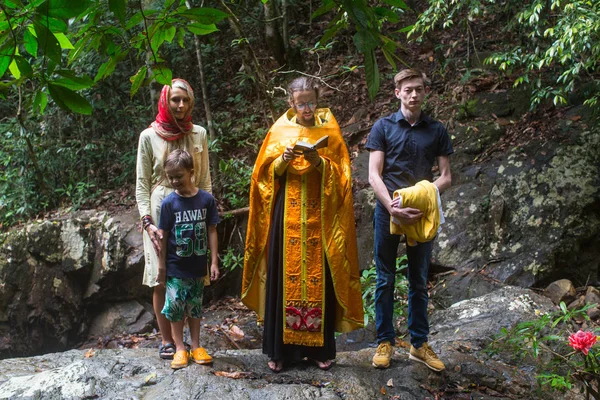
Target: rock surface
525	217
458	334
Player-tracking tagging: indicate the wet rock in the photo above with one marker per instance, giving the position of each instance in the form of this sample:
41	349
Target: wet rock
458	335
561	290
55	271
527	218
577	303
592	295
128	317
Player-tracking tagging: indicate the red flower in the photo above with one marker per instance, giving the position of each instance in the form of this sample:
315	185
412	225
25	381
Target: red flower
582	341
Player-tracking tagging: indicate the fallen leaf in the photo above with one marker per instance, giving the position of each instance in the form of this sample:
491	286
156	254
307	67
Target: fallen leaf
390	383
383	391
236	332
90	353
150	378
234	375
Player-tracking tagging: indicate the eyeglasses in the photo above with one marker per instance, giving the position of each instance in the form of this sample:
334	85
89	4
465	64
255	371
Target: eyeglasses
309	104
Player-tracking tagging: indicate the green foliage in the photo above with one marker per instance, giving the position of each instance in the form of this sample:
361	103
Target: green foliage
545	339
232	259
368	22
368	282
46	31
558	44
234	177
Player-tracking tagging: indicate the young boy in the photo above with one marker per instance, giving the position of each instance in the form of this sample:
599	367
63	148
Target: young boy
188	219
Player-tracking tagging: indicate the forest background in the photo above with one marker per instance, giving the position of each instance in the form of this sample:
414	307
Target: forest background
80	79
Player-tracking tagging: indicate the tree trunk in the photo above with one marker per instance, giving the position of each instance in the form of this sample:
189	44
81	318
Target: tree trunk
272	35
286	31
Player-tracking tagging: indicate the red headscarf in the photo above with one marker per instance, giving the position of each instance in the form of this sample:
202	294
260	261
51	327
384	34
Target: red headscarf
166	125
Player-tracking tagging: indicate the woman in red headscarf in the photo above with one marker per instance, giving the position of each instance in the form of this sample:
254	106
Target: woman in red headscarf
172	129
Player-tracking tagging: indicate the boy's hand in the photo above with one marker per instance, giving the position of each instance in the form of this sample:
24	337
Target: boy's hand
214	272
161	278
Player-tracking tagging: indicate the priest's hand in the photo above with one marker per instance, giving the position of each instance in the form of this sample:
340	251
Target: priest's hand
312	156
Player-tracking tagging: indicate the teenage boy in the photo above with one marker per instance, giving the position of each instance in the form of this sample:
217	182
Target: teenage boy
403	148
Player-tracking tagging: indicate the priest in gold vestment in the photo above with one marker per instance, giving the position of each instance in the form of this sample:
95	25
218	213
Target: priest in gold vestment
301	266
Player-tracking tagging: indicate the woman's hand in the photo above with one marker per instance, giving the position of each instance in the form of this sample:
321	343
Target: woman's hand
288	154
312	156
155	237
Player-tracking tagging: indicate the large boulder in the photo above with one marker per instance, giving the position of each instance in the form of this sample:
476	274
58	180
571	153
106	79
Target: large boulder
53	273
526	217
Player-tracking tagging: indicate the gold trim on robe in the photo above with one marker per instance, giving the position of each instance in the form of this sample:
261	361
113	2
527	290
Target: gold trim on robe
319	215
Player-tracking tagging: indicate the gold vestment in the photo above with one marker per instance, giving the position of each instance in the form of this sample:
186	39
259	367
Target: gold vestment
319	226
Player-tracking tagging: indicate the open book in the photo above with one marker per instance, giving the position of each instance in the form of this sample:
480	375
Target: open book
301	146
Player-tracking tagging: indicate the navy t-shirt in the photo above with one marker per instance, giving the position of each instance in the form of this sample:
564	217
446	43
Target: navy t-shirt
410	151
186	219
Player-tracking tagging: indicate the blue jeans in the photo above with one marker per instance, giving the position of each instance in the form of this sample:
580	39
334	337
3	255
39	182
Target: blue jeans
419	258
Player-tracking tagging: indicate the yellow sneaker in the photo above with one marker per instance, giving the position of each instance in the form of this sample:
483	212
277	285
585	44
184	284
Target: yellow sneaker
427	356
180	360
200	356
383	355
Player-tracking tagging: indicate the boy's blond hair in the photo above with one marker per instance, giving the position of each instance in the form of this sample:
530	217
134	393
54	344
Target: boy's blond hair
179	158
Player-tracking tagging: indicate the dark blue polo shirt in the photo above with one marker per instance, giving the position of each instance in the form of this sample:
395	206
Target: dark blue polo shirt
410	151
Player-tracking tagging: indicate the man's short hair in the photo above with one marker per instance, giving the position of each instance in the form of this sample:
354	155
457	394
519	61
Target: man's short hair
409	73
179	159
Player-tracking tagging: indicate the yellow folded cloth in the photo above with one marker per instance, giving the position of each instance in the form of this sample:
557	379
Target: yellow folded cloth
424	197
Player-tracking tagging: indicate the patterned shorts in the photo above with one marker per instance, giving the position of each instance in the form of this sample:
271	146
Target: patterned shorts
184	296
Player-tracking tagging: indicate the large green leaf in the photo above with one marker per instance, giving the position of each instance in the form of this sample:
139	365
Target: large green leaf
7	50
13	3
79	48
63	9
204	15
63	40
30	42
137	80
108	67
358	12
118	7
327	6
387	13
48	44
69	100
20	67
40	101
372	73
332	28
365	41
181	37
162	74
71	81
54	24
201	29
134	20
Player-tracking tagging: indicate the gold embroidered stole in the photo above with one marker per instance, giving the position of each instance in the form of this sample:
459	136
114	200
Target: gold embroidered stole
303	266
